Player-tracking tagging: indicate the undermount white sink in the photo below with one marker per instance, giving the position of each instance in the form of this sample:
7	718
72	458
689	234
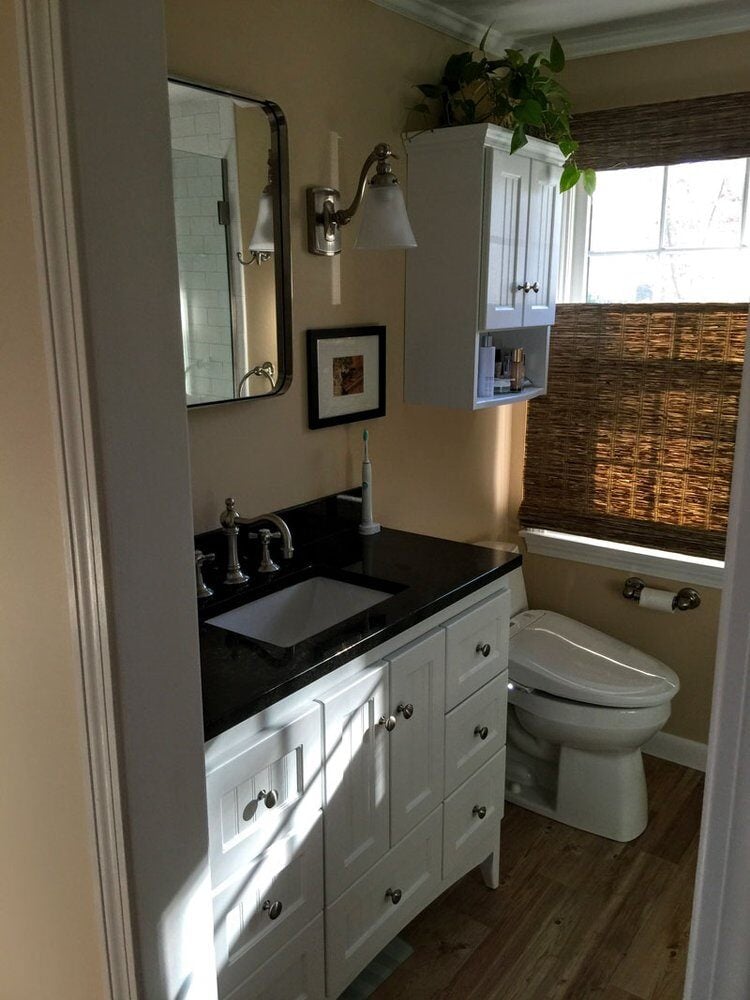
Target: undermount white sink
297	612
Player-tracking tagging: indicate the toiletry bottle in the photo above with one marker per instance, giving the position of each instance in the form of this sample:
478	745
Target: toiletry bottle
517	369
485	365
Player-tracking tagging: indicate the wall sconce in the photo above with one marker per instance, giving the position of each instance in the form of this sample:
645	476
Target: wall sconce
385	224
261	244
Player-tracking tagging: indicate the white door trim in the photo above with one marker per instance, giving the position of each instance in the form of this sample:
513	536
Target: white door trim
40	57
719	959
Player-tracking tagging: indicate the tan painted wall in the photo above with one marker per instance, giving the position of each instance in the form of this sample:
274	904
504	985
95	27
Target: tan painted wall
49	916
428	462
674	72
684	640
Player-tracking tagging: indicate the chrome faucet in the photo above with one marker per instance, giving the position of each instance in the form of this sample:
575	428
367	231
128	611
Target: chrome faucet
230	520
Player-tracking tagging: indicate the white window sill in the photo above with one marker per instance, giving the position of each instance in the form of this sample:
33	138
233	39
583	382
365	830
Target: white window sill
689	570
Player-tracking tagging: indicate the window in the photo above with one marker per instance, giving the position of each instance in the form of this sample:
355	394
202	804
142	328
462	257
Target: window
677	233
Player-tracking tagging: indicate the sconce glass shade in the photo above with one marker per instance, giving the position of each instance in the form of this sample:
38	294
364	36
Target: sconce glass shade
262	238
385	224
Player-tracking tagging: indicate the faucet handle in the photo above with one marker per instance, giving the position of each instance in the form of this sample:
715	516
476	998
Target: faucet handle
201	589
267	565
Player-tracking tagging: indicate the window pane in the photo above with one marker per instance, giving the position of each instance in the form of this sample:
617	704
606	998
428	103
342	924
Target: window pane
674	276
704	204
626	209
624	277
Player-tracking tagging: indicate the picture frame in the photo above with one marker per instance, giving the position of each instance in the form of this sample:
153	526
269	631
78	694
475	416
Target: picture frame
345	375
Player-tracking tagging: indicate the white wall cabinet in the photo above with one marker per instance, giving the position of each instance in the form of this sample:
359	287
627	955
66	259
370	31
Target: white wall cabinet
407	743
488	226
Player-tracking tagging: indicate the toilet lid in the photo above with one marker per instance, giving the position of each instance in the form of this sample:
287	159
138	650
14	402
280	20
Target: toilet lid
563	657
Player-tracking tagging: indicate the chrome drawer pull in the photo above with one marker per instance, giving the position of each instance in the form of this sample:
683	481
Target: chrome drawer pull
270	798
273	909
482	732
394	895
479	811
484	648
389	721
406	710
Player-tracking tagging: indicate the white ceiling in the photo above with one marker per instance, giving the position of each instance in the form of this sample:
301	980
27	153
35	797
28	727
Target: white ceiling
585	27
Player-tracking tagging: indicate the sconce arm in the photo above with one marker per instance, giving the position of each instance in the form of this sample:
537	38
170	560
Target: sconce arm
380	155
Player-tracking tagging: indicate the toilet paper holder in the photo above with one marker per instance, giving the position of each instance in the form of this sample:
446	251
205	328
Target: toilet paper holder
686	599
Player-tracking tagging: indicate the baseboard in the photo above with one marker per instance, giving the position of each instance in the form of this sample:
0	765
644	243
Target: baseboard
689	753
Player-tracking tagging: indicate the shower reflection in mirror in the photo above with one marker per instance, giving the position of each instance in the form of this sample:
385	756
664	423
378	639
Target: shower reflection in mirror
230	199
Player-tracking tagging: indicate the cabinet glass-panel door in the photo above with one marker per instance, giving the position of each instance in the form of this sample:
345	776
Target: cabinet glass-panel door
417	702
356	777
505	225
543	245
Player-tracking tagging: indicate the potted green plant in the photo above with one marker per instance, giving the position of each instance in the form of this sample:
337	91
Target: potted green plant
520	93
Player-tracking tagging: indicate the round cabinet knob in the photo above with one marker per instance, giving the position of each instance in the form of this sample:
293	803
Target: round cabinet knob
394	895
479	811
482	732
484	648
270	798
273	909
534	287
525	287
406	710
389	721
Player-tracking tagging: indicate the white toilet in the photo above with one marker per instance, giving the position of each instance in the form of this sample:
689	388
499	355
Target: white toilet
581	706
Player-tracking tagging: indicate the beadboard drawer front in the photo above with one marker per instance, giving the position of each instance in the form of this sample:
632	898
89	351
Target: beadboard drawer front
295	972
476	648
356	775
364	919
284	762
288	877
475	731
466	832
417	702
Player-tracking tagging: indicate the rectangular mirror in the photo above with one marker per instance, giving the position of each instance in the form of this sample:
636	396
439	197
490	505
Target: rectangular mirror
231	203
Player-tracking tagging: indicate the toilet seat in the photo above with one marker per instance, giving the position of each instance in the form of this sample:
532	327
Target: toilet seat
567	659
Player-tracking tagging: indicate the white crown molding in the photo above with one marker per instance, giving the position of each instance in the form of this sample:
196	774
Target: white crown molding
465	29
41	63
613	36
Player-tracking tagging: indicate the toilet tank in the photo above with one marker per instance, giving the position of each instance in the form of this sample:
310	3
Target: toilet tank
518	599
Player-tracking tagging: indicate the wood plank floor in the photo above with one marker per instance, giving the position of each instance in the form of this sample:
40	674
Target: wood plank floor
575	917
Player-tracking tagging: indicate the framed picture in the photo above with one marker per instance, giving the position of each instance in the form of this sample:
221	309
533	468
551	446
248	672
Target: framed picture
345	375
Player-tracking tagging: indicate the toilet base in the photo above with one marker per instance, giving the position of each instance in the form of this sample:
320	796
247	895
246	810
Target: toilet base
600	792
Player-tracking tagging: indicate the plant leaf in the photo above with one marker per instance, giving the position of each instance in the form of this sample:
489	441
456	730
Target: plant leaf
556	56
529	112
589	180
454	68
485	36
568	146
431	90
570	176
519	139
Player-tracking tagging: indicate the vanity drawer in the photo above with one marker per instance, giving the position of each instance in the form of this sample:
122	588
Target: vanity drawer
296	970
262	790
289	875
476	648
475	731
468	836
362	921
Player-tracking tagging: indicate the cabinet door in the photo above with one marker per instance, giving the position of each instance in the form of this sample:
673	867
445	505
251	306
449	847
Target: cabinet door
267	904
417	702
543	245
382	902
356	777
504	237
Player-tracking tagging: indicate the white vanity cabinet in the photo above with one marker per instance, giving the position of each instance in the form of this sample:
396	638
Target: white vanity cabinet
488	226
386	782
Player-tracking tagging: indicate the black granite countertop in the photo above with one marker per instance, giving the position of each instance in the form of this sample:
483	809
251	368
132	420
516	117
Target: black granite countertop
241	676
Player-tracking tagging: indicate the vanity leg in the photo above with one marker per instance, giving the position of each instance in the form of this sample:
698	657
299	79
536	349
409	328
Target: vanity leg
490	869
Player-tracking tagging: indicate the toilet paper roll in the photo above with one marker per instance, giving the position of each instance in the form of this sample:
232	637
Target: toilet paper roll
657	600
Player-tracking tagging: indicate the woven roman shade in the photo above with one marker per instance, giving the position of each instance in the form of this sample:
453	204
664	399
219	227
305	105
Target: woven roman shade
635	440
706	128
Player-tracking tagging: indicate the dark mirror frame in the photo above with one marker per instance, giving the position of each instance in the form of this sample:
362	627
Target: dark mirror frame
279	162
